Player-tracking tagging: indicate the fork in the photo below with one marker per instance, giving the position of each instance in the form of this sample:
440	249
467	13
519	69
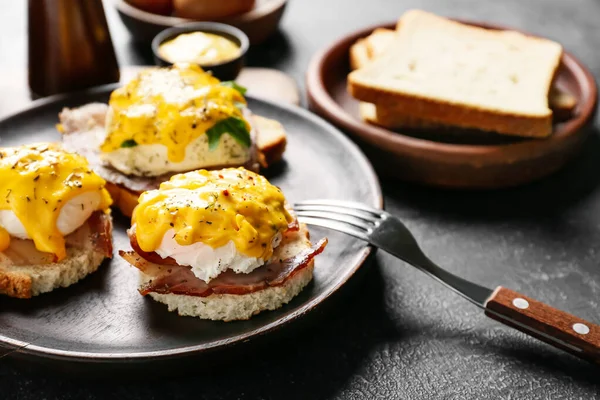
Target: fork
382	230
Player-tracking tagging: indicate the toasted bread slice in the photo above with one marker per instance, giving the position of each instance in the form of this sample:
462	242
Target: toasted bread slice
229	307
377	43
27	272
80	128
271	141
464	76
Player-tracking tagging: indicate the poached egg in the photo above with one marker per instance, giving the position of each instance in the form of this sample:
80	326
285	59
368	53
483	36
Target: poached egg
212	221
173	120
46	194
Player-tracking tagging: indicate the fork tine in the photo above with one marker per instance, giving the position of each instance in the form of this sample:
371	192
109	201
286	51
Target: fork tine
340	203
336	226
365	225
360	214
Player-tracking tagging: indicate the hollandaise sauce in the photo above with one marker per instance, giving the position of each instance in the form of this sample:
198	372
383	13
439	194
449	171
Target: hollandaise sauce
213	207
173	107
199	47
37	181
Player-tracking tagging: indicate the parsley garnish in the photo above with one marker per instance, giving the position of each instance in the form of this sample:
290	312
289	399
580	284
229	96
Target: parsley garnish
236	127
233	85
129	143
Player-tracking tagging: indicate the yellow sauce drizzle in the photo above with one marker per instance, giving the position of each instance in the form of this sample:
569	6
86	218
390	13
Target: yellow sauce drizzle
37	180
213	207
169	106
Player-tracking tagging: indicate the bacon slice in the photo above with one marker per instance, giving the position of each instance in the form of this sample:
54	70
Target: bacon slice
176	279
152	257
294	226
96	232
100	225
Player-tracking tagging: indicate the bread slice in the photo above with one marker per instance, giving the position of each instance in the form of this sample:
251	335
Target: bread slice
33	275
562	104
230	307
377	43
271	141
454	74
370	48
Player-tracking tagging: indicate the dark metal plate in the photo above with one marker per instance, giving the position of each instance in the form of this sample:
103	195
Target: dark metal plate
103	319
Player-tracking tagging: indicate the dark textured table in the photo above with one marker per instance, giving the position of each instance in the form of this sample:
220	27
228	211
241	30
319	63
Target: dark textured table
398	334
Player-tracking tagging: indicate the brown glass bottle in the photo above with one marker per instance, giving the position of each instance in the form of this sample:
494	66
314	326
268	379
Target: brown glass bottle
69	46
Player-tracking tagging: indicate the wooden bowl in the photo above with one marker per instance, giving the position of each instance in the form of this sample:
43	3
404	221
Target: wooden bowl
501	163
258	24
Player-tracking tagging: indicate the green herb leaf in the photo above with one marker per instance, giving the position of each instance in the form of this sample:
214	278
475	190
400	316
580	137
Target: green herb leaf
236	127
129	143
235	86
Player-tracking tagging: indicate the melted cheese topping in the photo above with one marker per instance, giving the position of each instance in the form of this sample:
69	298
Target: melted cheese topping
199	47
171	107
37	181
214	208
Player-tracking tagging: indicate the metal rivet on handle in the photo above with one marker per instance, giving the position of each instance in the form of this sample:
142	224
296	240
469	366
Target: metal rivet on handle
581	328
520	303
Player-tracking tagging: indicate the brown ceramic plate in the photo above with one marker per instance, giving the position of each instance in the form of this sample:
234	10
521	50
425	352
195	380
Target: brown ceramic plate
494	163
258	24
104	321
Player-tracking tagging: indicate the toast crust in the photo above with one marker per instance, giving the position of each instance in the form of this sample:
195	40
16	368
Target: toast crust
124	199
26	281
446	113
271	142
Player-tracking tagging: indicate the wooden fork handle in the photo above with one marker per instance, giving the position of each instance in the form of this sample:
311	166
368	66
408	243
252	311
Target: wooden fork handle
558	328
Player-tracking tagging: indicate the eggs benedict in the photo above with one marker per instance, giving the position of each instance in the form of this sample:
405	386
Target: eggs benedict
168	121
219	245
55	224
